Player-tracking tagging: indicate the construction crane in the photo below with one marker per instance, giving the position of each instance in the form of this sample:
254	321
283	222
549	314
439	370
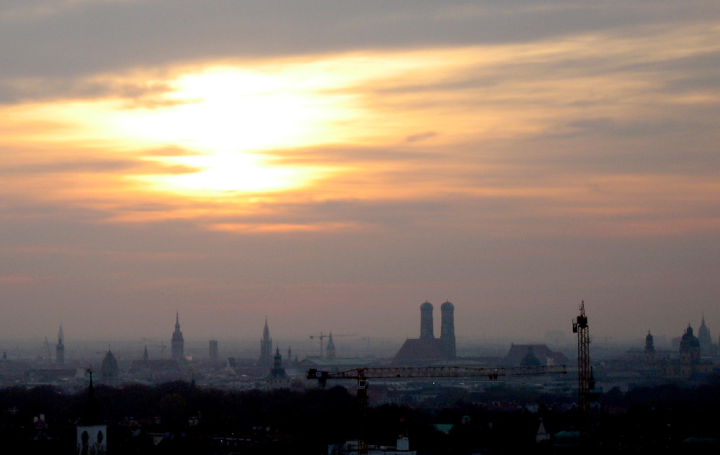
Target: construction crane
361	375
322	336
580	326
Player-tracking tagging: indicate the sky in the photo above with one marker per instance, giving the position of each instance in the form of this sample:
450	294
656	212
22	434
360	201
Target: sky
331	165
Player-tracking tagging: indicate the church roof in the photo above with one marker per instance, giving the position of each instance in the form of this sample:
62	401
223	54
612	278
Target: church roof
519	351
426	306
423	349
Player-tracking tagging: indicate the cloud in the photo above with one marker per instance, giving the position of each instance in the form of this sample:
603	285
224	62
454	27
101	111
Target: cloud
420	136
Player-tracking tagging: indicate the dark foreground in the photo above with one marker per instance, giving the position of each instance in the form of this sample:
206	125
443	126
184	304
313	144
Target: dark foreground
177	418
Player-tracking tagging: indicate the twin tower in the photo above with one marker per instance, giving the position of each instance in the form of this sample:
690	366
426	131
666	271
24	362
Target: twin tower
447	326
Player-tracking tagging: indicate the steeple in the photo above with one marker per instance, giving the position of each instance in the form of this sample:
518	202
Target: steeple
60	348
277	371
265	347
706	344
146	357
177	343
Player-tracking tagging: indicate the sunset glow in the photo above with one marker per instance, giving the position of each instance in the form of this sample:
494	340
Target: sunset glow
359	156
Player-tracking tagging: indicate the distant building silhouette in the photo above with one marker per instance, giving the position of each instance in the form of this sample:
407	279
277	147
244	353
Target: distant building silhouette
178	343
109	371
265	347
426	321
530	359
650	357
278	378
427	348
330	350
706	344
60	348
213	348
146	357
447	329
689	347
690	364
544	354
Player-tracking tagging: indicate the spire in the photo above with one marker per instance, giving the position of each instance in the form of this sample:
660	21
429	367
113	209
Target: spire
177	320
61	336
91	411
145	354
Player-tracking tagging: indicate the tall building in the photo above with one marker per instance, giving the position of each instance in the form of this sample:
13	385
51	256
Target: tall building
60	348
178	343
266	347
426	322
213	347
649	349
146	357
428	349
447	329
706	344
330	350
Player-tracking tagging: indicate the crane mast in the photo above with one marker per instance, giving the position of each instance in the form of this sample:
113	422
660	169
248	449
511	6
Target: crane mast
580	326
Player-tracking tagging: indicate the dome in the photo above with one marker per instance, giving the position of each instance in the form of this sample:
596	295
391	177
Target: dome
447	306
109	366
689	338
426	306
649	337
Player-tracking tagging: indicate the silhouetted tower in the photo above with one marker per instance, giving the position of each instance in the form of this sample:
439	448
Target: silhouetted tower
706	344
426	322
266	347
580	326
649	349
689	347
447	329
289	356
91	430
330	350
277	371
60	348
178	343
213	348
146	357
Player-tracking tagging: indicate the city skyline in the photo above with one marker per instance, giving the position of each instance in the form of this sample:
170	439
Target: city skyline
333	166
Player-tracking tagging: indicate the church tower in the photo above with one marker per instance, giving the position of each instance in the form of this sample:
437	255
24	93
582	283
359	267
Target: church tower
706	344
330	351
447	329
689	347
649	349
426	322
178	343
266	355
60	348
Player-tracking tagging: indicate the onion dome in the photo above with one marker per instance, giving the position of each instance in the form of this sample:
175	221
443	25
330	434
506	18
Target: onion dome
426	306
447	306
